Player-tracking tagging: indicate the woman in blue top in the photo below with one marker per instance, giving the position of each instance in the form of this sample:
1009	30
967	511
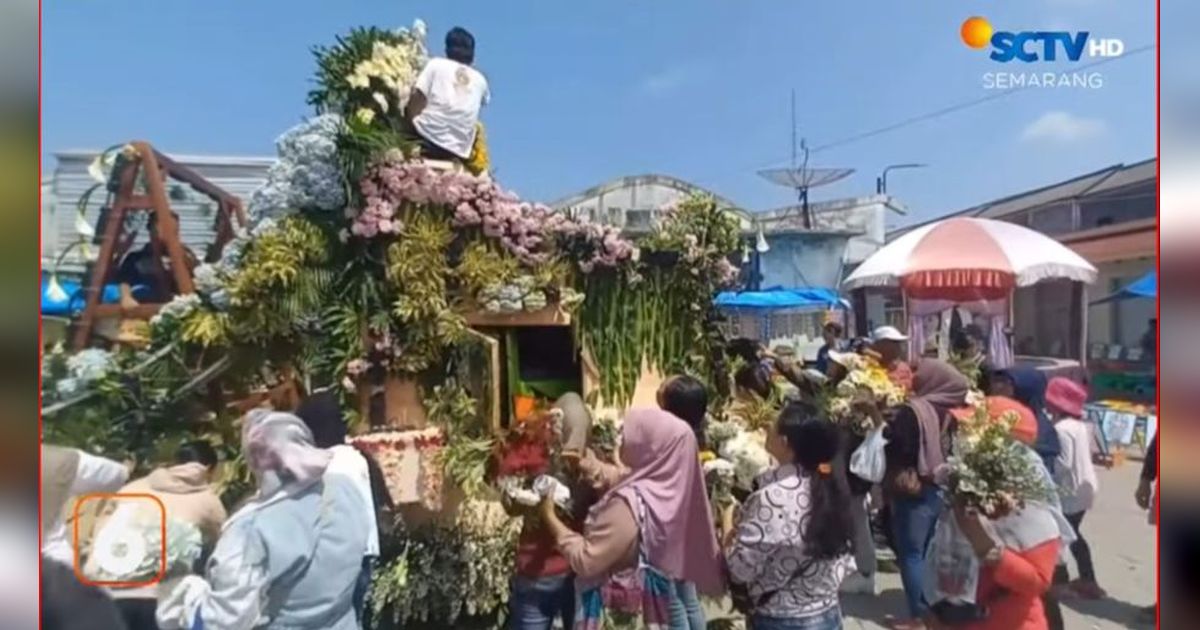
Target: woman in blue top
291	558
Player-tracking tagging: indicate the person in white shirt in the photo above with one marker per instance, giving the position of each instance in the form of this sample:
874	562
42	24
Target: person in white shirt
67	473
1075	475
444	108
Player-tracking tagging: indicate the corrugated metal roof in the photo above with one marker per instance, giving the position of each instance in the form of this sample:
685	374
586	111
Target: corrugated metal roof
640	180
1082	187
239	176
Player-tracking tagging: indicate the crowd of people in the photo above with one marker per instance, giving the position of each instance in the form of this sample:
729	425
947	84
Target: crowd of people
642	537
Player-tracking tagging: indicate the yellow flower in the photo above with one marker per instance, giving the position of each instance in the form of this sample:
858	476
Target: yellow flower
479	160
365	114
707	456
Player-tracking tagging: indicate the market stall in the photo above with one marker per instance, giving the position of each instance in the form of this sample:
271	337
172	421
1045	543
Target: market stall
778	316
1120	371
1120	425
966	267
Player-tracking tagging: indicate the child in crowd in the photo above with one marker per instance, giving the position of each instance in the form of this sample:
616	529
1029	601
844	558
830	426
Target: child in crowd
1075	474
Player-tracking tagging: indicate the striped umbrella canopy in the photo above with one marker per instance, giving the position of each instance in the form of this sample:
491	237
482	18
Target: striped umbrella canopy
968	258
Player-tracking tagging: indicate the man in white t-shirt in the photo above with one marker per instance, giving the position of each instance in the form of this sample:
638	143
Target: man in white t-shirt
444	108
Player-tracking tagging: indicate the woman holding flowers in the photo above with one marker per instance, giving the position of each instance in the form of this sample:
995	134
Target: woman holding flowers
790	549
918	443
650	530
1016	546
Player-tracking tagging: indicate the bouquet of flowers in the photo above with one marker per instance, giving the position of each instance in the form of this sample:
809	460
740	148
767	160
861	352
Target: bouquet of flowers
720	475
991	471
748	458
865	379
603	440
528	464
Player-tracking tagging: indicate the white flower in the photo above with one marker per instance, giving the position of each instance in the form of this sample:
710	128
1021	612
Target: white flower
307	175
365	115
720	466
179	307
749	458
208	279
82	227
547	486
512	488
66	387
381	100
91	364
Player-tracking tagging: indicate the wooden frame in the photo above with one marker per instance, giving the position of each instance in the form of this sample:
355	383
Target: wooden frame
164	233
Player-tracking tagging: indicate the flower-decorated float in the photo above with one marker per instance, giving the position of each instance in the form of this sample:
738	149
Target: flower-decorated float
444	309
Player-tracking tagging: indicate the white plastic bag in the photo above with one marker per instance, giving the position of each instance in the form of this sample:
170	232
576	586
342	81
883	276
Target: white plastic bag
868	461
951	566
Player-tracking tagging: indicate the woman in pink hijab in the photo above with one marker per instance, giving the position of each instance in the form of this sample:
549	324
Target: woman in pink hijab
649	531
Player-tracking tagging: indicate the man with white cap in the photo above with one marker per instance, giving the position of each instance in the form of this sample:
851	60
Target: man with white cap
888	343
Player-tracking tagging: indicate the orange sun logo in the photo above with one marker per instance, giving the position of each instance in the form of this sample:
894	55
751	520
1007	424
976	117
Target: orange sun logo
976	32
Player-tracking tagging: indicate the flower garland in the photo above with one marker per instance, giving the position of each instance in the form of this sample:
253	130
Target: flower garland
399	440
533	233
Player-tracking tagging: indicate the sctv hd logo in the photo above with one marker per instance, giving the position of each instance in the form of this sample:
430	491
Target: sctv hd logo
1038	46
1031	46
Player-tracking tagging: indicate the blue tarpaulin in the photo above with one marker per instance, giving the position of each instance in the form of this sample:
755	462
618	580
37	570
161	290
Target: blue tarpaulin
1144	287
780	298
75	297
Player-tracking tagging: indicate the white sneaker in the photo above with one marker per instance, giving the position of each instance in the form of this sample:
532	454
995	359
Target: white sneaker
860	584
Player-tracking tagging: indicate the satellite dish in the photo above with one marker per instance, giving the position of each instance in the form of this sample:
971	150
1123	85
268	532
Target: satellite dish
801	177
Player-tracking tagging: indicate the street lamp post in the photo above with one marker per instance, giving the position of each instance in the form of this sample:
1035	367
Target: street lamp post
881	181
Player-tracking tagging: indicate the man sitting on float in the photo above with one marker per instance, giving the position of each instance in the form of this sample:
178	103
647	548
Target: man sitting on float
444	107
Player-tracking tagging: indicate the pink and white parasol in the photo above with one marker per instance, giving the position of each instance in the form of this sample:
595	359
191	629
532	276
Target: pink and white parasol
969	257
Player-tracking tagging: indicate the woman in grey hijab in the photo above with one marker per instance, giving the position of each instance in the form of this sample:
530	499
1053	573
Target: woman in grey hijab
291	557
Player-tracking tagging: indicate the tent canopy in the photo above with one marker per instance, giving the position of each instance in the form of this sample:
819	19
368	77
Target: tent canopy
1144	287
781	298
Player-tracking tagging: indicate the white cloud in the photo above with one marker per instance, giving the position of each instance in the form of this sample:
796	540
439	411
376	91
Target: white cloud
1063	127
664	81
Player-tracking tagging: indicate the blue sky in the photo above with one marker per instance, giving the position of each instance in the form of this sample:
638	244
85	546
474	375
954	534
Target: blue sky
585	91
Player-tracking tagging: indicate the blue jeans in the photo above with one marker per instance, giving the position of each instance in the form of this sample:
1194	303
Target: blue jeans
828	620
535	602
686	613
913	520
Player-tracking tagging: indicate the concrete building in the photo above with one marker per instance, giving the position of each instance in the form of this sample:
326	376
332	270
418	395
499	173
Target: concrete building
844	231
1110	217
634	203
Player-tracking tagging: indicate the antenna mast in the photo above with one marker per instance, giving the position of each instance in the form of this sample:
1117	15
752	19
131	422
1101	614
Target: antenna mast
800	177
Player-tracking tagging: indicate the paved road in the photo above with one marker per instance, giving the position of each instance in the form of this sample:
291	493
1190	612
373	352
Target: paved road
1122	550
